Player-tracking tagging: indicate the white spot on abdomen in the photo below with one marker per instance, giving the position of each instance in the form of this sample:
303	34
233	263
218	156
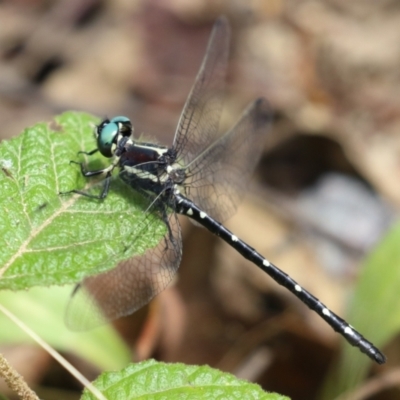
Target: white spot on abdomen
234	238
189	212
348	331
266	263
298	288
326	312
202	214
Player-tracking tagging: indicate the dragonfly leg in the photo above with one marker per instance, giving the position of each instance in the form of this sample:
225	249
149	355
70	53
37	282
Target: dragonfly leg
106	186
87	174
88	153
101	196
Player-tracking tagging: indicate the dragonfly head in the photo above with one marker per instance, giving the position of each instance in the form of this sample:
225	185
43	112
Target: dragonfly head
110	132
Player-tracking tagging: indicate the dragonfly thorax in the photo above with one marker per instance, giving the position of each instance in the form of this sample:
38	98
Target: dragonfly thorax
176	173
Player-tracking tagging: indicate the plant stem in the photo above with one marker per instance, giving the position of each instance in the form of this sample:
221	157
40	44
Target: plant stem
57	356
15	381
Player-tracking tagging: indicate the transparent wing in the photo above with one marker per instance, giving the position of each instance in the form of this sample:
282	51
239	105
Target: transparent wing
217	179
129	286
198	124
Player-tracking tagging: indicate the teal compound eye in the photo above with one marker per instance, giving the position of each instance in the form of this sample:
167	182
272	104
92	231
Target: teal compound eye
108	132
107	135
124	125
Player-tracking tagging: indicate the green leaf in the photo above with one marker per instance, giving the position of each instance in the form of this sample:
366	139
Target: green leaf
42	309
373	312
47	238
154	380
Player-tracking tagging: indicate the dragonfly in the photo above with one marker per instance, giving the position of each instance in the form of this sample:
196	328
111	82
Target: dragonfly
203	175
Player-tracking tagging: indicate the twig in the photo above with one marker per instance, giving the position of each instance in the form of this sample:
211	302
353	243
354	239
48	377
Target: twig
15	381
69	367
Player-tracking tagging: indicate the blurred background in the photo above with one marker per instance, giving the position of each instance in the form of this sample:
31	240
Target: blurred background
324	195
